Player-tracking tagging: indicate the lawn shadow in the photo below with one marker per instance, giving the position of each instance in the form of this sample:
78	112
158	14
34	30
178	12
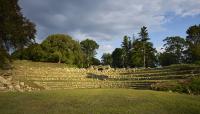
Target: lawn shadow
95	76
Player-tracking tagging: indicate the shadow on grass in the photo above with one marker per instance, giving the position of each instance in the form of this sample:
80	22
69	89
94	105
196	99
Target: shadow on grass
95	76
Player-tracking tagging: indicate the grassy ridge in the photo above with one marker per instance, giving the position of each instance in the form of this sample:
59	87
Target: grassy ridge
98	101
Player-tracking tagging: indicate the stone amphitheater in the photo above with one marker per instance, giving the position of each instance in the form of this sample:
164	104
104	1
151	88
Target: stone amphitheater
28	76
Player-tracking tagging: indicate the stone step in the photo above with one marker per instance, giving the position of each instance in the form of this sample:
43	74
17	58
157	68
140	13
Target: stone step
122	78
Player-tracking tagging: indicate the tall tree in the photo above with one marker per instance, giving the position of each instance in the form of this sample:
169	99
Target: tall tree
16	31
89	48
126	46
193	38
107	59
144	37
118	58
137	55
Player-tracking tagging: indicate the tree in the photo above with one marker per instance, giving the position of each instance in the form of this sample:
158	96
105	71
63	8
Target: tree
137	55
33	52
166	58
95	61
193	38
62	48
89	48
107	59
55	48
16	31
118	58
144	37
126	46
175	46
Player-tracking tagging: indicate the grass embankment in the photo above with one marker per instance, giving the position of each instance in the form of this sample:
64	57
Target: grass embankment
99	101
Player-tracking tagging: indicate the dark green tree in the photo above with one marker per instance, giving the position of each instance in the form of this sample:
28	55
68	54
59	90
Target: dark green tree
193	39
89	47
95	61
137	55
176	46
16	31
166	58
126	46
118	58
106	59
34	52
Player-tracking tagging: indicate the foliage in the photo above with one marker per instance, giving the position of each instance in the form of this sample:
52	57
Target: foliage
16	31
89	48
166	59
118	58
4	59
136	53
144	37
193	39
55	48
175	51
107	59
192	87
95	61
143	53
126	46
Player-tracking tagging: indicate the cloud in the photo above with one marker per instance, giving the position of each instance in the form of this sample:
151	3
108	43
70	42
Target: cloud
104	19
106	48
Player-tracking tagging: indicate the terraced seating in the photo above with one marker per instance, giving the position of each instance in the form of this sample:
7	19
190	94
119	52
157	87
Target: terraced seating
51	76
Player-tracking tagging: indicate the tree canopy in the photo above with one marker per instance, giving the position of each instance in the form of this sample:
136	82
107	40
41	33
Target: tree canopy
118	58
55	48
176	47
16	31
89	48
106	59
193	39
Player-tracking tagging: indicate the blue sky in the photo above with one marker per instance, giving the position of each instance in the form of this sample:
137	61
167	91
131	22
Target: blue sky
107	21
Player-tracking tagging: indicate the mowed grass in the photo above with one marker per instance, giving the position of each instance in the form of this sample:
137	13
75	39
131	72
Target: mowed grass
99	101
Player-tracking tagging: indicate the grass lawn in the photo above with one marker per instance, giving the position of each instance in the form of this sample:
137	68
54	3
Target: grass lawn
98	101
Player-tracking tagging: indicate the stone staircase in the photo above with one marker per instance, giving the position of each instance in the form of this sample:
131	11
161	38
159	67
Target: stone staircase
52	78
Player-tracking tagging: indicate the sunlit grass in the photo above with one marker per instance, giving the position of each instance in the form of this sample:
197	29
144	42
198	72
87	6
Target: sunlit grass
98	101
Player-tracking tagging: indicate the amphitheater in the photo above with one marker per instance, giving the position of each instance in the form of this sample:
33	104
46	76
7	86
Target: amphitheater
52	76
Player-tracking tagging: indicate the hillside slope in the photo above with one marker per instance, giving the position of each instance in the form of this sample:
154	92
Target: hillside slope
59	76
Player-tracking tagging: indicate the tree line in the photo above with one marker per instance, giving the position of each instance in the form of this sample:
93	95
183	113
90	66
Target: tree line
139	52
61	48
17	41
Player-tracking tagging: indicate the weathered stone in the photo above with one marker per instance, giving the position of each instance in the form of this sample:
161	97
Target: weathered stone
21	84
10	87
18	88
4	81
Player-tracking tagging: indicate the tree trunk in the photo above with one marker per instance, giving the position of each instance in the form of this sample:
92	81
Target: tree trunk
59	60
144	56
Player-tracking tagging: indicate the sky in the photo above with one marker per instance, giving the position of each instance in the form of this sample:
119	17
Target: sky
108	21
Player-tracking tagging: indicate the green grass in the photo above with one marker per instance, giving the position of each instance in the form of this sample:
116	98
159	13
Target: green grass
99	101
